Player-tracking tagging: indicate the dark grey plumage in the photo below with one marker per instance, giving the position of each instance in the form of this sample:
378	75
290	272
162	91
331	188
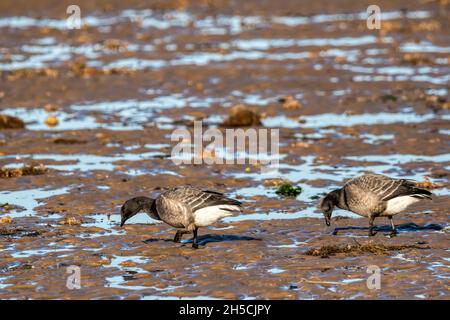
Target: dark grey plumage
374	195
187	208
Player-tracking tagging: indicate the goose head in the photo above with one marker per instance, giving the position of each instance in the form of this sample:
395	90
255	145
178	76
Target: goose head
327	205
133	206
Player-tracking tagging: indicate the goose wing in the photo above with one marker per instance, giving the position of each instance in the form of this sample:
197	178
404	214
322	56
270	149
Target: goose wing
173	211
403	187
386	188
196	199
182	207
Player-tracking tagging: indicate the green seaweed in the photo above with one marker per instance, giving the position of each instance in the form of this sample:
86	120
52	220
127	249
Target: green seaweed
388	97
287	190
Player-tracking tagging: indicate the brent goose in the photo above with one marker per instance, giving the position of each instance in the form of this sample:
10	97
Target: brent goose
373	195
187	208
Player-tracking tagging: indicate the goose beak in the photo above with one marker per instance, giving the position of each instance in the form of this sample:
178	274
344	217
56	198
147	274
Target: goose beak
327	219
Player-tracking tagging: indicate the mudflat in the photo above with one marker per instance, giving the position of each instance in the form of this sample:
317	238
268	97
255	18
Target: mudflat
97	107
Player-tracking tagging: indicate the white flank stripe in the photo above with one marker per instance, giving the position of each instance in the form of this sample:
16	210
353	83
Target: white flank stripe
399	204
209	215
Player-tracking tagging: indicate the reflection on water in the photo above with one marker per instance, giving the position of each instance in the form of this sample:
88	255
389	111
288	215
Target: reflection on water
219	24
42	252
340	120
419	78
332	119
322	18
275	270
127	264
394	159
375	139
111	222
84	162
347	281
108	223
423	46
130	266
35	120
47	52
440	269
29	199
119	262
309	169
23	22
266	44
3	279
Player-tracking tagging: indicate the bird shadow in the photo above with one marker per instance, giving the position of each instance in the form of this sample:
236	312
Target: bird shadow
207	238
406	227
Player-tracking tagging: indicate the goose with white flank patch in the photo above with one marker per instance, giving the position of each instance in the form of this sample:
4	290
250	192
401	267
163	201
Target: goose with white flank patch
374	195
186	208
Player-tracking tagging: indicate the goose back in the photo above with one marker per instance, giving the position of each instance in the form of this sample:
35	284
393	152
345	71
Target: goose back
177	207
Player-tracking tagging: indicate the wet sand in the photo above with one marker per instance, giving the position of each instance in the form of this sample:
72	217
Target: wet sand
368	100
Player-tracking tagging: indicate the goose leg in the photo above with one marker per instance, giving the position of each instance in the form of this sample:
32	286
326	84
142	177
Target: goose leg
394	231
179	235
194	240
371	232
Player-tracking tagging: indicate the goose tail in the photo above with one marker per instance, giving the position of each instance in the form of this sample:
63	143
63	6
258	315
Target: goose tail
421	193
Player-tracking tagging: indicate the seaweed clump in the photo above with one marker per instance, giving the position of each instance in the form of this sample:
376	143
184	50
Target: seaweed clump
19	232
388	97
358	249
10	122
6	173
287	190
68	141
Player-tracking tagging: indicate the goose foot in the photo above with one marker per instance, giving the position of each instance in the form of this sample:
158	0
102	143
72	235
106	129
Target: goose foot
179	236
394	231
393	234
371	232
194	240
